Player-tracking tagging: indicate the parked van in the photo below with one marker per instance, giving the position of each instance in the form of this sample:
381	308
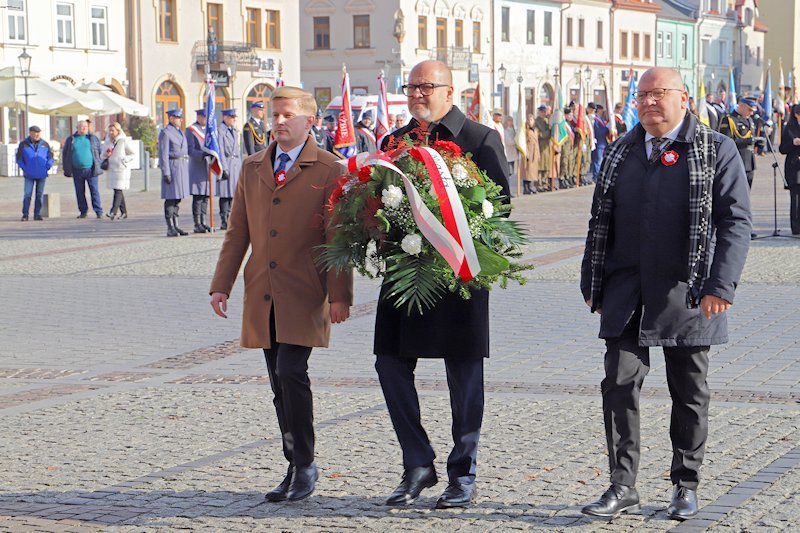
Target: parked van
397	103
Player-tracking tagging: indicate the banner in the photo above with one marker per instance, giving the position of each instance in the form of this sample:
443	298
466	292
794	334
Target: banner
521	139
732	100
558	125
767	104
630	114
702	106
211	141
345	140
474	110
382	119
612	117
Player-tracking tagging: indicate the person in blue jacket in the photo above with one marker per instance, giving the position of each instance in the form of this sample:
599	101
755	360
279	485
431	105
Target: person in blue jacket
34	157
81	159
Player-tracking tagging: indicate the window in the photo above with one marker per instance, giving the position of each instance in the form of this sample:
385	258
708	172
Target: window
758	56
623	44
659	44
548	28
253	32
215	19
459	33
647	39
99	25
168	96
723	52
668	45
599	34
531	33
569	31
684	47
322	33
422	32
273	33
166	20
635	46
16	20
441	39
323	96
505	22
64	34
476	37
581	33
360	31
705	50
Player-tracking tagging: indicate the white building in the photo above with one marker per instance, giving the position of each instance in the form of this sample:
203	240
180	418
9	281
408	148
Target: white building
257	42
526	52
633	24
394	35
71	42
586	49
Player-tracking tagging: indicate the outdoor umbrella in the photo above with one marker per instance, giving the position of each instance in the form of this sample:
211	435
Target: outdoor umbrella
113	103
44	97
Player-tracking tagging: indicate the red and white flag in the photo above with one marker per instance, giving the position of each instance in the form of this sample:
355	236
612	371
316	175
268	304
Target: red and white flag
382	119
344	141
474	111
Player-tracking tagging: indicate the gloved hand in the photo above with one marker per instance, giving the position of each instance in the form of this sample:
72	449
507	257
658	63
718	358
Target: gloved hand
224	175
167	179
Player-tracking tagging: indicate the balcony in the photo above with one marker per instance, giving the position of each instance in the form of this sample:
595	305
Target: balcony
453	57
229	53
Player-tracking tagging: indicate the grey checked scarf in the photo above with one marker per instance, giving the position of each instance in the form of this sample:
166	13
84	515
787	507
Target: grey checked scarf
702	160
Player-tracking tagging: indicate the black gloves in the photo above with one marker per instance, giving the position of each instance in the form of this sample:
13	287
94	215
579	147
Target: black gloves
224	175
167	179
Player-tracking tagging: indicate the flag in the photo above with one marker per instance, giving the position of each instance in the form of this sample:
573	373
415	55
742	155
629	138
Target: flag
768	99
474	110
560	131
521	139
211	141
629	113
382	119
279	82
731	103
580	116
780	108
702	107
612	119
793	84
345	140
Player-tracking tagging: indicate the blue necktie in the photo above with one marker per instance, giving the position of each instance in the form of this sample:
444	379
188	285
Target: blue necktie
283	159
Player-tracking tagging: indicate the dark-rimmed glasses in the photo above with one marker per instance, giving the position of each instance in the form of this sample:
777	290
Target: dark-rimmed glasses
426	89
655	94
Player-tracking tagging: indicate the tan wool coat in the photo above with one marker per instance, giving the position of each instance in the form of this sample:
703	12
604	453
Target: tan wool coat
285	226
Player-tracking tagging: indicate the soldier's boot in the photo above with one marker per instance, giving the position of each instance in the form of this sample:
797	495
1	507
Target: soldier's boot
204	213
223	220
198	224
175	221
526	187
171	232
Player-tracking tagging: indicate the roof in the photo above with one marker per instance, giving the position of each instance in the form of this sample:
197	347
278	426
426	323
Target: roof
760	26
637	5
676	11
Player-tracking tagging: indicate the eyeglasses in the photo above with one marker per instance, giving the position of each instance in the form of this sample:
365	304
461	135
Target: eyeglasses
426	89
655	94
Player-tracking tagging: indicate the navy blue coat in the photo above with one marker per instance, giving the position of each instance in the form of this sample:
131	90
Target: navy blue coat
648	246
66	155
454	327
34	161
198	164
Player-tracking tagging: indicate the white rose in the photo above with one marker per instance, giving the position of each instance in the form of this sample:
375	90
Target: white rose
412	244
459	172
488	209
392	196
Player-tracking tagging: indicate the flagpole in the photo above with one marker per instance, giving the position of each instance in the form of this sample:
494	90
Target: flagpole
208	167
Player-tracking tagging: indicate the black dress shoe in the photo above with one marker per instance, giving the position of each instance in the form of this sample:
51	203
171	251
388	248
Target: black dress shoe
37	217
24	218
414	481
281	492
616	500
684	504
456	495
82	215
303	482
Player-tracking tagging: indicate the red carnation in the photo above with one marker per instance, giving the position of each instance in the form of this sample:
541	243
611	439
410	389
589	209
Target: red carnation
447	146
365	174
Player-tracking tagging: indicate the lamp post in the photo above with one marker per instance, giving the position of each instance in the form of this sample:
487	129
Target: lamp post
588	76
25	69
502	73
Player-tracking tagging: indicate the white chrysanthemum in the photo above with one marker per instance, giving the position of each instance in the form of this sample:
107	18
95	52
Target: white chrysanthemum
412	244
461	176
392	196
488	209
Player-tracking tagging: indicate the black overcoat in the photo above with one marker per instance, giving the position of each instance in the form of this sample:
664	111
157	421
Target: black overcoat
454	327
791	166
648	244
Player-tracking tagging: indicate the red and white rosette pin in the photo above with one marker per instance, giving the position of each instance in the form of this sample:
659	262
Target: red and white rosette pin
280	178
669	158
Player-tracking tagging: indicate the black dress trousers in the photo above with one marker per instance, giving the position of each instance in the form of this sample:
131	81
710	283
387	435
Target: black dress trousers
626	365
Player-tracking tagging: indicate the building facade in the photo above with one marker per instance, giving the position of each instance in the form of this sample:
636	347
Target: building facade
675	42
782	42
633	34
169	52
587	44
749	38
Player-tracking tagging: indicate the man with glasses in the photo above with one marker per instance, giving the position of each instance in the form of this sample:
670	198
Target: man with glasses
666	189
456	330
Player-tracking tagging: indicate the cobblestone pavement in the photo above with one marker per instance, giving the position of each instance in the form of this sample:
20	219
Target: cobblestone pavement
127	406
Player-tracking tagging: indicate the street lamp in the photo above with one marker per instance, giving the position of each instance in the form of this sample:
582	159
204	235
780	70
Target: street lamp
25	69
502	72
588	75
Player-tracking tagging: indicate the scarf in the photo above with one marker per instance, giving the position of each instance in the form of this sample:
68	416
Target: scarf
702	161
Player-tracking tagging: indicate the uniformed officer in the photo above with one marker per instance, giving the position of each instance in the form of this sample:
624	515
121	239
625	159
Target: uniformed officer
739	125
231	160
173	160
365	137
320	135
198	172
254	133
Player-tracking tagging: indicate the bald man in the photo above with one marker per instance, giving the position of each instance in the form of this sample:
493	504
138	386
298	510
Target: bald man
665	190
455	329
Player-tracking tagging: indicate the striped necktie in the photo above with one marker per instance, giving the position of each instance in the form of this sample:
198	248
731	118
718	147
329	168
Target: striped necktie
655	151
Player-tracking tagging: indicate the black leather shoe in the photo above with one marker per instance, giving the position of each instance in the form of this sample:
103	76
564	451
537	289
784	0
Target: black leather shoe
303	482
616	500
37	217
24	218
82	215
456	495
414	481
281	492
684	504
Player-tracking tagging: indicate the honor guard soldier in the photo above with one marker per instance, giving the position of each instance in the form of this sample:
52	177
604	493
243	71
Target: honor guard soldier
365	137
198	172
231	160
739	126
320	135
254	133
173	160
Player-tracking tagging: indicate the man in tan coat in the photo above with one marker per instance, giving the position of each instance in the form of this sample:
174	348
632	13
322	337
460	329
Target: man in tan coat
289	301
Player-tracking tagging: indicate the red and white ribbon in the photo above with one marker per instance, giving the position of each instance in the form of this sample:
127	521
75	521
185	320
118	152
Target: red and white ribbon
452	240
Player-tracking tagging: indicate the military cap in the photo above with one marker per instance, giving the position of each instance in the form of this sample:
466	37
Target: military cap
175	113
200	112
257	105
229	112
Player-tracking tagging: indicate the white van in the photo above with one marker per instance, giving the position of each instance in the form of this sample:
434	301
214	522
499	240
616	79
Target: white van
397	103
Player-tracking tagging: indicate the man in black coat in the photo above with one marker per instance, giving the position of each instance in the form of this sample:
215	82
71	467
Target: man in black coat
456	330
655	207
